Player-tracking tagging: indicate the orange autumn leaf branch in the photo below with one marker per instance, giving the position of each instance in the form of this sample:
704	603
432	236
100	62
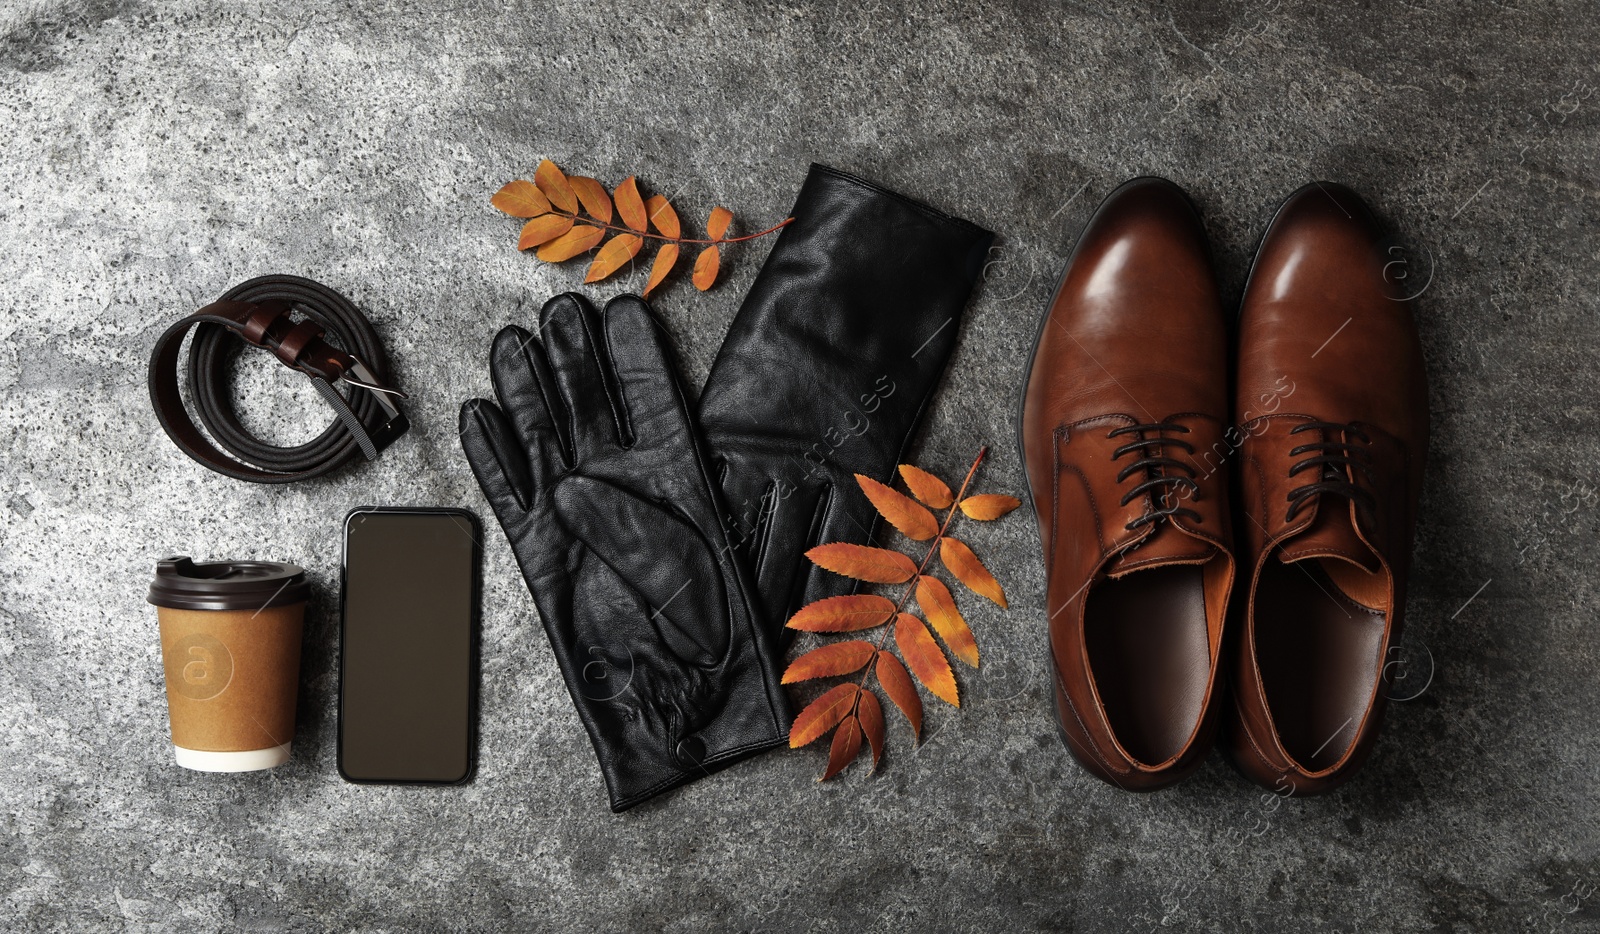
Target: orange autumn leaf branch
852	710
554	206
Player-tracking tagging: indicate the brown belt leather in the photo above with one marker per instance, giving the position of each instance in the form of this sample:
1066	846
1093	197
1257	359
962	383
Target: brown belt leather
259	312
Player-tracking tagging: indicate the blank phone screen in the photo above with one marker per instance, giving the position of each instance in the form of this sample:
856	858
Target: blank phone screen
407	665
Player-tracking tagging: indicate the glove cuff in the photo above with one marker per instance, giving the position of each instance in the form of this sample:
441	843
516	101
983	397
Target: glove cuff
628	789
826	371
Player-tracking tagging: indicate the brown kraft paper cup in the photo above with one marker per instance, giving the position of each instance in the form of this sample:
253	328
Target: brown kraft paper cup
230	648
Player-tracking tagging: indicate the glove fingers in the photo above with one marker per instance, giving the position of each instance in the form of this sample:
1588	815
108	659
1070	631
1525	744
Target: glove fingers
527	391
746	508
497	458
790	525
664	560
569	329
646	378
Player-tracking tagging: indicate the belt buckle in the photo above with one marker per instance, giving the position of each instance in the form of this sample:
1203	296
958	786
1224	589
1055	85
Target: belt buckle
359	376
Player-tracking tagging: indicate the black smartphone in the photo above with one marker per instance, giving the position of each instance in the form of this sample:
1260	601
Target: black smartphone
408	665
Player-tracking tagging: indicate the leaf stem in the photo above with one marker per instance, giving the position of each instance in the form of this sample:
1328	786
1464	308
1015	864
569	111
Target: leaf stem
607	225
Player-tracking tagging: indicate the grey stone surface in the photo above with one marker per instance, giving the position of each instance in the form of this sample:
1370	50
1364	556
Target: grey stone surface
157	152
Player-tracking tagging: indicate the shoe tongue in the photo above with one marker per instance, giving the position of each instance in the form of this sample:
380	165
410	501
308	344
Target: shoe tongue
1330	535
1168	544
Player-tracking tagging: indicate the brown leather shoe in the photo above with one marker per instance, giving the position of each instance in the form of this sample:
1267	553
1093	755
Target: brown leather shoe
1333	418
1123	416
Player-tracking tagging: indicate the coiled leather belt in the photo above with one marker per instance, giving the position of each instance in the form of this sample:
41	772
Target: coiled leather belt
259	312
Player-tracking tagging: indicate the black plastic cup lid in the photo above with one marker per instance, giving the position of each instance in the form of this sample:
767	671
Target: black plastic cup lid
227	585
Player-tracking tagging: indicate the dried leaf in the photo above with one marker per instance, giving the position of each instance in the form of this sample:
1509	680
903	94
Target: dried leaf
836	658
822	715
849	613
580	239
846	746
613	256
870	713
543	230
987	506
705	268
928	489
896	682
521	199
969	570
940	607
926	661
666	258
863	562
630	205
555	186
663	216
914	521
594	197
717	225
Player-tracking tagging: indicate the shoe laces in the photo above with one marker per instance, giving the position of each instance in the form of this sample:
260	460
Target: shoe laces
1334	462
1155	466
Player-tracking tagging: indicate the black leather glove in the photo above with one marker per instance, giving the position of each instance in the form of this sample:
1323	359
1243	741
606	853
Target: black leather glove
826	370
593	469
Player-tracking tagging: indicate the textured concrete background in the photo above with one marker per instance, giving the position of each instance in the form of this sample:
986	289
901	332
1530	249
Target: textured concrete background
156	153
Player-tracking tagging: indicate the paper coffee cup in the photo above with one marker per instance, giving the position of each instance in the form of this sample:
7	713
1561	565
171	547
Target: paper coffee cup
230	646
